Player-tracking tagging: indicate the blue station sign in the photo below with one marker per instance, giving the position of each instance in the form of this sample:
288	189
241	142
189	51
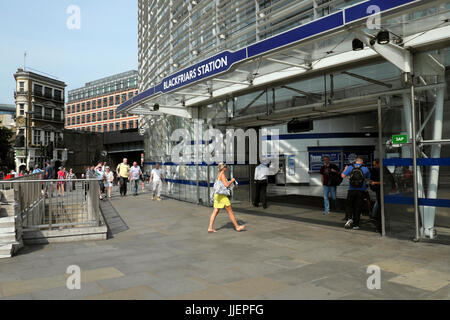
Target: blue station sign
222	62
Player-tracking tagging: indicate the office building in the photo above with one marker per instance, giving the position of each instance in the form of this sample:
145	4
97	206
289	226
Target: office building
92	107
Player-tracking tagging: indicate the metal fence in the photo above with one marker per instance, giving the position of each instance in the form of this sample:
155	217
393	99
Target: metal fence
56	204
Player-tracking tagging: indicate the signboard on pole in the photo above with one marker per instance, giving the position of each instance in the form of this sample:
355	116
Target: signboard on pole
400	139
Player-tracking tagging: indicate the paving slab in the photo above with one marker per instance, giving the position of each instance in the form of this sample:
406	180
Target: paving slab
166	253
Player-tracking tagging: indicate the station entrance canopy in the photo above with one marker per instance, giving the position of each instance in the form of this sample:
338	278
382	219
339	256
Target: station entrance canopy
319	46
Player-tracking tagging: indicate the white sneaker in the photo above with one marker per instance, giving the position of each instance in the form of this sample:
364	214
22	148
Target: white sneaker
348	224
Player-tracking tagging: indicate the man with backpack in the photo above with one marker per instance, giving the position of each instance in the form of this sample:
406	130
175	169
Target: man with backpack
330	180
358	174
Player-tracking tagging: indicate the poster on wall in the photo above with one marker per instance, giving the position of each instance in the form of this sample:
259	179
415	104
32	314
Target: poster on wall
291	165
316	159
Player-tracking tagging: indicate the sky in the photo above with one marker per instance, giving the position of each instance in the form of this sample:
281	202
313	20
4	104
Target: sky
104	44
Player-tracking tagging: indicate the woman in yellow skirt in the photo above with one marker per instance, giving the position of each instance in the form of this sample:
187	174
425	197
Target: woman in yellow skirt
221	201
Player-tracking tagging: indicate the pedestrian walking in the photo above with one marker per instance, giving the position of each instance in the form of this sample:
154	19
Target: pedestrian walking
221	200
123	171
157	178
328	171
135	177
61	180
261	181
109	180
71	176
358	174
49	175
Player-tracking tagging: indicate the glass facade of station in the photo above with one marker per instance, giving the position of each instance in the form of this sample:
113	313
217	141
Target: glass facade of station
342	103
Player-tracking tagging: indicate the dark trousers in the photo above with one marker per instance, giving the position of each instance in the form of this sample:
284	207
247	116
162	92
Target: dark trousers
123	186
261	193
355	202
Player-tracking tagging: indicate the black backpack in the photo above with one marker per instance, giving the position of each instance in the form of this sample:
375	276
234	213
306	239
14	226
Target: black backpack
357	177
335	179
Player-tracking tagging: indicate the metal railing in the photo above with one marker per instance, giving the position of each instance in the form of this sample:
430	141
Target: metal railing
56	204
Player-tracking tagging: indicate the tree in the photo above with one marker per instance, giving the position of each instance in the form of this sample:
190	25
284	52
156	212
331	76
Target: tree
6	149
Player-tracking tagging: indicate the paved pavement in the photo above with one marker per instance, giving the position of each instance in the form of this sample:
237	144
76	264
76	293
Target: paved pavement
165	252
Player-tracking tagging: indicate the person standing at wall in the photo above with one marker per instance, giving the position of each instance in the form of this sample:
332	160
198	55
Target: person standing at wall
123	171
358	174
261	181
157	177
71	176
221	199
135	176
329	188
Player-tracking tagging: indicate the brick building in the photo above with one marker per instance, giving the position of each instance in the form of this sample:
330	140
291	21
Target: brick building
92	108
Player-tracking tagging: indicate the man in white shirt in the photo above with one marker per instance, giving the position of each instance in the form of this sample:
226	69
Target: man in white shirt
157	178
261	175
135	175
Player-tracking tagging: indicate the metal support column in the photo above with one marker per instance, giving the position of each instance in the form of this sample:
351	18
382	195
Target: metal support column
381	155
414	151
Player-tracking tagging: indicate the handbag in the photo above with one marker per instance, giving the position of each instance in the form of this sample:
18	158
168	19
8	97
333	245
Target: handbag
219	188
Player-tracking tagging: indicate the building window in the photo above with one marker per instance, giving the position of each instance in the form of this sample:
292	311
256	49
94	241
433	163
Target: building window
78	119
82	107
130	124
82	119
130	95
111	114
78	107
111	101
105	102
117	99
73	120
21	109
21	86
117	126
48	113
105	115
99	116
94	104
58	115
99	128
37	111
124	125
105	128
124	97
47	136
99	103
58	95
48	92
73	108
88	118
111	127
93	117
36	137
37	89
88	105
68	110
